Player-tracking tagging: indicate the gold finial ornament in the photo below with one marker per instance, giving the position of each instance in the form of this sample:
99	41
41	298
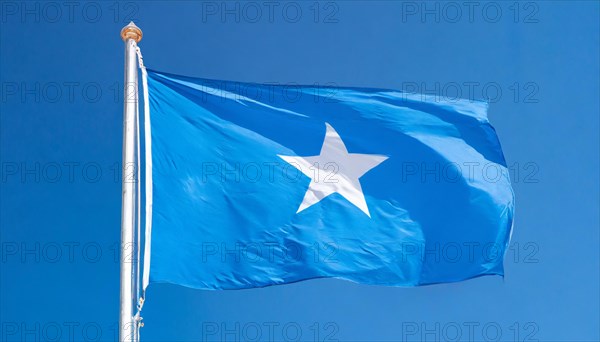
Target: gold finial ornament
131	31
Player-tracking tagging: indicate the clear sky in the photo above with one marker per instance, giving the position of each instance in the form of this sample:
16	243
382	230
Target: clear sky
61	71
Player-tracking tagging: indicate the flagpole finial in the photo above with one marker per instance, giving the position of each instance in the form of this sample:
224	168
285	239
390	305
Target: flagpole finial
131	31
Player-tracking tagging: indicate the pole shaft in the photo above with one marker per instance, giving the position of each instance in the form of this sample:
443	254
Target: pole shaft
128	218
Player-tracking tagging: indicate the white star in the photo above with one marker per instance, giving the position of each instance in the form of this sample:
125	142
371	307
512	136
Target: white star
334	171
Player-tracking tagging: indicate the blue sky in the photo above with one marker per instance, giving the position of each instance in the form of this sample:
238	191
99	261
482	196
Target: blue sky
61	71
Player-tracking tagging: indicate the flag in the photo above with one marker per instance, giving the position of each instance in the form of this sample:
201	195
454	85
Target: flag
264	184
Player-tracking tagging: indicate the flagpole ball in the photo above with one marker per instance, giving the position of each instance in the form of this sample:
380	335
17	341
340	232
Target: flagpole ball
131	31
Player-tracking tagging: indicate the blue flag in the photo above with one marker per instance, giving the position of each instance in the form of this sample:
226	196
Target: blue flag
263	184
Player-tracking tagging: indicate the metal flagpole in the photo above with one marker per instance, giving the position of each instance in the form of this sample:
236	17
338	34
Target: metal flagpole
131	35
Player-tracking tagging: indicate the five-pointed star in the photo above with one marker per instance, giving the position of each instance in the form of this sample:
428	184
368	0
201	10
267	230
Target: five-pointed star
334	171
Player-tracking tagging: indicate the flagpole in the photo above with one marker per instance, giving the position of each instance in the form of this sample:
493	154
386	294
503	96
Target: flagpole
131	35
